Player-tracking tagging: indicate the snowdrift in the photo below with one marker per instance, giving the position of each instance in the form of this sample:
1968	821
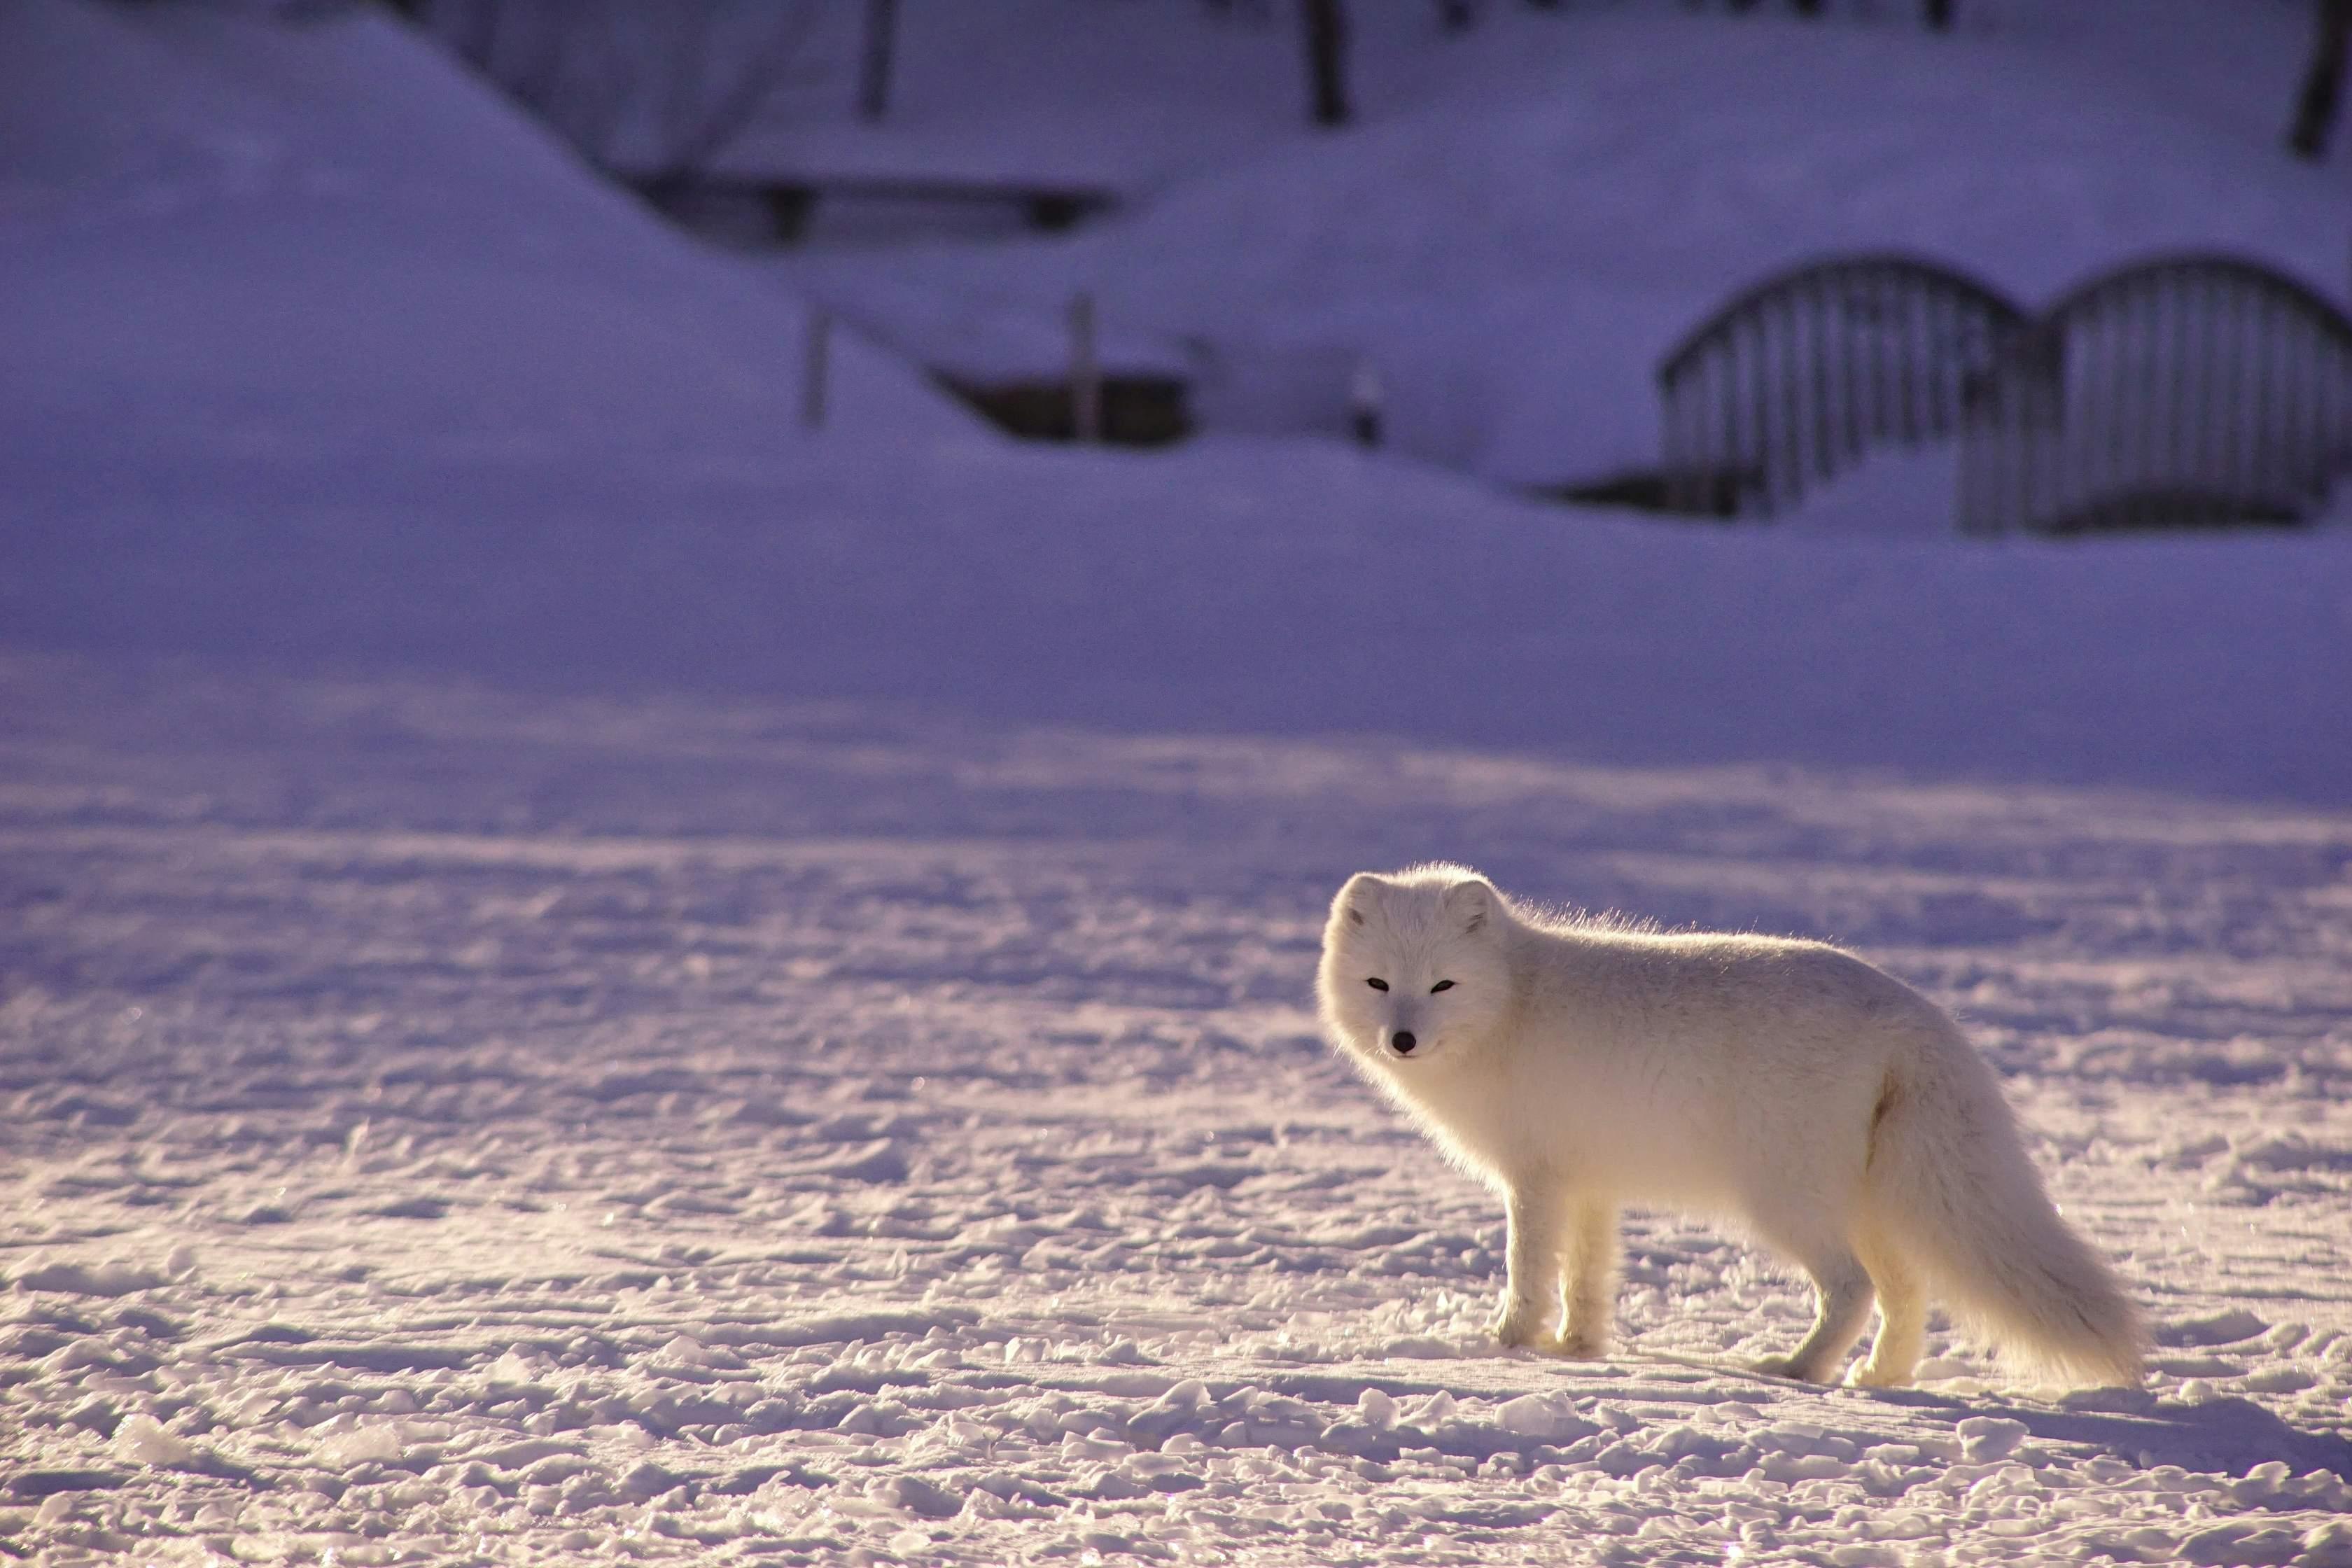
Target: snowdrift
224	232
318	357
1530	216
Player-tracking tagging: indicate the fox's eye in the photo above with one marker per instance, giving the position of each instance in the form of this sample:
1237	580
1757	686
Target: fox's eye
1377	984
1440	985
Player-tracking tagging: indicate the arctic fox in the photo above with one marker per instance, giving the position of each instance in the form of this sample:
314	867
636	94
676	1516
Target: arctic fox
1576	1066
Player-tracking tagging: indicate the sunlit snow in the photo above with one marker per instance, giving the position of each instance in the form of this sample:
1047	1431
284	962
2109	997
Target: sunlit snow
588	973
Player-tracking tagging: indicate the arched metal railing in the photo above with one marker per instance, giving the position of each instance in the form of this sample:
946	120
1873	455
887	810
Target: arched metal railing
1793	379
2182	390
2186	389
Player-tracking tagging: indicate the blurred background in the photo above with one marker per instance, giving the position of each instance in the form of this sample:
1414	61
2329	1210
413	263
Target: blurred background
1956	385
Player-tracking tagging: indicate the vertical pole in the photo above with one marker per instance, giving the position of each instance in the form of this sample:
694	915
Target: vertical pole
881	45
1970	501
2020	401
1366	404
2048	479
1703	466
1327	60
1674	450
1719	459
2188	425
1823	346
2213	407
1086	371
2180	298
1846	334
2301	462
2230	393
2138	405
2021	407
1908	359
2338	361
1760	407
1790	483
2260	408
2322	82
2304	419
2098	381
1878	421
816	354
1944	357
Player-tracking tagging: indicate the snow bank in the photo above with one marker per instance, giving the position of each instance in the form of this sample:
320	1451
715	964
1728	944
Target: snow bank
1567	194
224	232
319	355
1235	585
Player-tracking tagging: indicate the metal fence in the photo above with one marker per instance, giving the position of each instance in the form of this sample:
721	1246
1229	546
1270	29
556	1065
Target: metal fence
1795	378
2181	390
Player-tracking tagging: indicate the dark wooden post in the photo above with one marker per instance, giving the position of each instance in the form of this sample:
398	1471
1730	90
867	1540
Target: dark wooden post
2322	82
1327	60
1086	371
881	44
1367	404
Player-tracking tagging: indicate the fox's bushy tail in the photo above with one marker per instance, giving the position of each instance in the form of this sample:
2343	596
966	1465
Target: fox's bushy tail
1954	1187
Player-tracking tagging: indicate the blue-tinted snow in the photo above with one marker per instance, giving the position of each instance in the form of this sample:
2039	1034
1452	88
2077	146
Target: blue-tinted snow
1529	216
289	379
556	999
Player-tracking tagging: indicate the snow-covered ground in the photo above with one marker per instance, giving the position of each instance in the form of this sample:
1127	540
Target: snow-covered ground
306	374
228	239
454	1126
588	974
1531	215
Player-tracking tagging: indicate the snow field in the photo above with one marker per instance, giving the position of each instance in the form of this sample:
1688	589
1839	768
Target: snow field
461	1126
320	242
462	1123
1528	218
320	356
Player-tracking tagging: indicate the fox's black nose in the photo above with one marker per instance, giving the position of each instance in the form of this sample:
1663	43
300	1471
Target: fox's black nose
1403	1041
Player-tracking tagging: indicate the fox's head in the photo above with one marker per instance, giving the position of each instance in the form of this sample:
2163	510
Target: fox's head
1414	965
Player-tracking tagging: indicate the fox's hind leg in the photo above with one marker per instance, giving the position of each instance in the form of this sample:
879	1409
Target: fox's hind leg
1592	1247
1842	1294
1901	1318
1540	1218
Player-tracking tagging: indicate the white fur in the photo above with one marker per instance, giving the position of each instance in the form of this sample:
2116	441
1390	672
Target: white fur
1577	1067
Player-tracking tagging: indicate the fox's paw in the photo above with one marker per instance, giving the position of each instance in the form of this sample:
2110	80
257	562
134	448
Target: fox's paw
1583	1344
1522	1333
1786	1367
1868	1376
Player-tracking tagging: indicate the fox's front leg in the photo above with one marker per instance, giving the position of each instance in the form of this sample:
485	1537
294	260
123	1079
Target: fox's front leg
1592	1253
1538	1217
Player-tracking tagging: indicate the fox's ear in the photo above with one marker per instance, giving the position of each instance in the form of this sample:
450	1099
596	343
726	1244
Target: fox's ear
1355	896
1472	903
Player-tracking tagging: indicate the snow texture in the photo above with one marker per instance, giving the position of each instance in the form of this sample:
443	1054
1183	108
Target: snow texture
454	1124
587	973
1528	216
379	379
